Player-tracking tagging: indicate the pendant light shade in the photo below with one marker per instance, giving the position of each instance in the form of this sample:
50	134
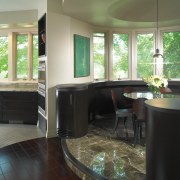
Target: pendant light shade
157	53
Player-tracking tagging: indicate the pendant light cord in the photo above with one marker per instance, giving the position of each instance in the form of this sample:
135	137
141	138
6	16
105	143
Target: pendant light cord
157	15
157	26
157	52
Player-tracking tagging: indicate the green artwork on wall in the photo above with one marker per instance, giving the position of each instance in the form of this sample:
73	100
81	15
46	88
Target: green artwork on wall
81	56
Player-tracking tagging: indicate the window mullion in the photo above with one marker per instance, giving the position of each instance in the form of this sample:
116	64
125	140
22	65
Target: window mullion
12	56
30	61
134	56
110	56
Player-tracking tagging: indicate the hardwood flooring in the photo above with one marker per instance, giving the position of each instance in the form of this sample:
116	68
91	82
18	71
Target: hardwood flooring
36	159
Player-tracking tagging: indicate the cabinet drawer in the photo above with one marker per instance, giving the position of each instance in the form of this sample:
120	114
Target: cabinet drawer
1	117
24	116
18	96
19	106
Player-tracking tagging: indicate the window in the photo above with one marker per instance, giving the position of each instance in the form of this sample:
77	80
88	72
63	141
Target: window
35	56
171	53
3	57
145	50
99	55
22	57
120	56
23	62
131	54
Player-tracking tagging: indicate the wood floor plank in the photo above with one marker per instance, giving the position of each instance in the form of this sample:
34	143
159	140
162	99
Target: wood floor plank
40	159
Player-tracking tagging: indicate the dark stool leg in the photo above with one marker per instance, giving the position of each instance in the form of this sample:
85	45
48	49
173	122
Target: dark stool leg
125	128
116	123
136	132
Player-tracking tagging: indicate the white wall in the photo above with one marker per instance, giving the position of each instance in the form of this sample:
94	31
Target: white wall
60	48
60	58
58	62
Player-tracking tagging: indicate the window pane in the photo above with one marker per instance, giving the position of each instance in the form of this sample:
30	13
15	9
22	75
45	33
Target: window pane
3	57
22	62
99	55
120	56
35	56
145	50
171	52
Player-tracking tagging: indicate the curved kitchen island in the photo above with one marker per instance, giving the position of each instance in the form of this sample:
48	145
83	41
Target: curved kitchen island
163	139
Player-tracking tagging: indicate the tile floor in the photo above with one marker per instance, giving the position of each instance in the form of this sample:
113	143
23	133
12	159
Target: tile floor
13	133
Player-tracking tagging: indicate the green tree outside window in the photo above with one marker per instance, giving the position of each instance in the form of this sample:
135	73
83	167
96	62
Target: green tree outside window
120	56
3	57
145	49
171	53
99	55
22	61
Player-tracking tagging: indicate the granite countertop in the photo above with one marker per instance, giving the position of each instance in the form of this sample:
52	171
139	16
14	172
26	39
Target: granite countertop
19	87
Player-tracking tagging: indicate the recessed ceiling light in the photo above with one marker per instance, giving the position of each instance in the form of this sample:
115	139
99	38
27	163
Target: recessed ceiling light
4	25
27	25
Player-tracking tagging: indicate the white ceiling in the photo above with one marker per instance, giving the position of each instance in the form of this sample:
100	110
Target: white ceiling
18	5
111	13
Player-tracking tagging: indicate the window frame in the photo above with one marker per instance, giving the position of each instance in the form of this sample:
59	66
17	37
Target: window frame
129	54
134	63
106	52
3	34
158	37
166	30
28	52
12	51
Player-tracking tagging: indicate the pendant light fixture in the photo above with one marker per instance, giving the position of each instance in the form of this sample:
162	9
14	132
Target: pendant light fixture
157	53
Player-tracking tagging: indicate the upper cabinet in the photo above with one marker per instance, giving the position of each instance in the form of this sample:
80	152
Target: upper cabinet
42	35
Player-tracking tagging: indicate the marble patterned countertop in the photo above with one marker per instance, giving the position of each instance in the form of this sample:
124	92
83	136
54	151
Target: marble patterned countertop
24	87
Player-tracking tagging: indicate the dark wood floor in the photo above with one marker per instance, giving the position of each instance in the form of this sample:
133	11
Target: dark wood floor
37	159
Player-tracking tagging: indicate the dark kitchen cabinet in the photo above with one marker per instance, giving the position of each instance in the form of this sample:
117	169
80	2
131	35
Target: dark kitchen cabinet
72	110
42	35
1	107
19	107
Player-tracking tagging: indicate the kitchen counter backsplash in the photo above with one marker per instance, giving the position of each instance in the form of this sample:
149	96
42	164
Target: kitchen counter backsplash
19	87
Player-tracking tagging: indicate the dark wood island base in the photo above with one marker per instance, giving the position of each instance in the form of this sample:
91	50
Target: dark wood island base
163	139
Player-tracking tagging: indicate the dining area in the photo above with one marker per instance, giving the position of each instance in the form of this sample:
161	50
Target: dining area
131	139
132	105
159	116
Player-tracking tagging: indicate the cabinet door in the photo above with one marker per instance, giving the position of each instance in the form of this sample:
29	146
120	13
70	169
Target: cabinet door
66	108
42	36
20	107
65	114
72	113
1	111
